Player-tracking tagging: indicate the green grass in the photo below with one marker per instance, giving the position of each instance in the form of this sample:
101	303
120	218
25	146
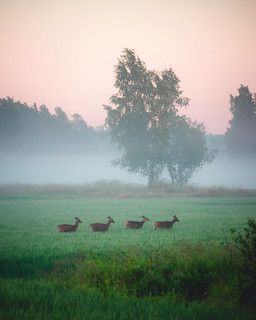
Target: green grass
42	300
184	273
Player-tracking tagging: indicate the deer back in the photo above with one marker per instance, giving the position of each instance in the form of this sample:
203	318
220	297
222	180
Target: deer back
69	227
101	226
134	224
165	224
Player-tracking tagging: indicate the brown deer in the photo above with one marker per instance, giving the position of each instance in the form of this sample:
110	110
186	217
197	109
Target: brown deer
136	224
69	227
101	226
166	224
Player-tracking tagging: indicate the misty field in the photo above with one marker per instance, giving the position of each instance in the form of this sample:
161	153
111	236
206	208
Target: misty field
190	272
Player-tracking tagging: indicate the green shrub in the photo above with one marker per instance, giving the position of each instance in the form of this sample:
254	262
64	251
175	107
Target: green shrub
246	243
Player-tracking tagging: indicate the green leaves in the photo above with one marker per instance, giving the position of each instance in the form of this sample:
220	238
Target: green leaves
187	150
141	113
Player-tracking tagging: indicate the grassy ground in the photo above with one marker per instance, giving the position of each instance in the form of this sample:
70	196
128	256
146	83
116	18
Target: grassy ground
185	273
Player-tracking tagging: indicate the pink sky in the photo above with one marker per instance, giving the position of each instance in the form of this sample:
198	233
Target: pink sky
62	53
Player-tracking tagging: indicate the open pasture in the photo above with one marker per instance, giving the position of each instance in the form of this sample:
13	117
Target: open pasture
37	260
28	227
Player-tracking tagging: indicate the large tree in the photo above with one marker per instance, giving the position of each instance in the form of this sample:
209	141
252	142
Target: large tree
142	113
186	150
241	136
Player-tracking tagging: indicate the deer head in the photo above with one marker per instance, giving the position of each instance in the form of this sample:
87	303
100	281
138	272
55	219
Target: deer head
175	218
111	220
78	220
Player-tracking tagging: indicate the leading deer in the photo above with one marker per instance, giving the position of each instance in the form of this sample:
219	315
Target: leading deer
101	226
166	224
69	227
136	224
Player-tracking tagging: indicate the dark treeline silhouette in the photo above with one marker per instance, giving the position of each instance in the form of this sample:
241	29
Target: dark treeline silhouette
32	129
240	137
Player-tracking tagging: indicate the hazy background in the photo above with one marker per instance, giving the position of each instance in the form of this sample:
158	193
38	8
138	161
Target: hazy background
63	52
48	169
40	147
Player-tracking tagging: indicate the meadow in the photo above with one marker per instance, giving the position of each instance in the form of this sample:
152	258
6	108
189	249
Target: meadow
189	272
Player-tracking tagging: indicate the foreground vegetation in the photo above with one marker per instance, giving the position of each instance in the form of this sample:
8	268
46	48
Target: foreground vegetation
194	271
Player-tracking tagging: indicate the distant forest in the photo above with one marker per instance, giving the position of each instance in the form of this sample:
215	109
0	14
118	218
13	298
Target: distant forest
33	129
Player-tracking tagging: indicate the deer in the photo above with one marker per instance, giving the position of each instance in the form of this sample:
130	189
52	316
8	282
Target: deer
101	226
165	224
69	227
136	224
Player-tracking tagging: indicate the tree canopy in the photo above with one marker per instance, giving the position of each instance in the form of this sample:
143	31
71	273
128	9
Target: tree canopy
144	121
187	150
241	135
25	129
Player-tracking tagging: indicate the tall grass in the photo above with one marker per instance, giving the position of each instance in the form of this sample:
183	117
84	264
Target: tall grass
184	273
43	300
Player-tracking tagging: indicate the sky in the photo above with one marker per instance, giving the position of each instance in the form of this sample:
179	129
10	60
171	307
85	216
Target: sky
63	52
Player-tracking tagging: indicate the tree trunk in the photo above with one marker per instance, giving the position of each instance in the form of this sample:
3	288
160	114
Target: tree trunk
152	176
152	179
171	174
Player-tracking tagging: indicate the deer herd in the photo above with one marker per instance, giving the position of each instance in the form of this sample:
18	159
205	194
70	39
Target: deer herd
129	224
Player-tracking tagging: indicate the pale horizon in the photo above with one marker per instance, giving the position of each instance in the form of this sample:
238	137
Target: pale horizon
63	53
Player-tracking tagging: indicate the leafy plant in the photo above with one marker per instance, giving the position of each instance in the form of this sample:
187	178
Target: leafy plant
246	243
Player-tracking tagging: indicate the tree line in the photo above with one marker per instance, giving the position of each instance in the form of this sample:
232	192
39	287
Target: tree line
143	120
33	129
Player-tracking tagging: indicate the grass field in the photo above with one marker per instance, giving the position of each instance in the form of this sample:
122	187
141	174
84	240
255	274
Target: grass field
185	273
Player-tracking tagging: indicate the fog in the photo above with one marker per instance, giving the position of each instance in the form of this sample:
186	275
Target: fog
39	147
225	170
51	169
229	171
